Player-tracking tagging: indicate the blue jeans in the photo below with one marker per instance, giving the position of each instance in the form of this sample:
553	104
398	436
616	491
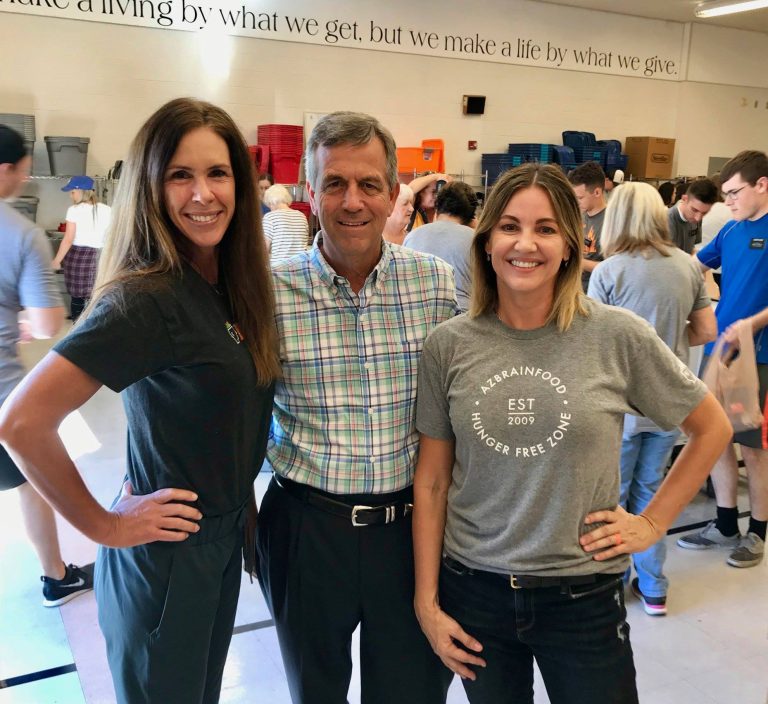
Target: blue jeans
644	457
577	634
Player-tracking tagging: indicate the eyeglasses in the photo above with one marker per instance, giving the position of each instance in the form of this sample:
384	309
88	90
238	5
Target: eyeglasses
734	194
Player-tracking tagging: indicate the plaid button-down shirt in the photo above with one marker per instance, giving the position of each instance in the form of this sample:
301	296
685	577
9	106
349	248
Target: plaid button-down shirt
345	409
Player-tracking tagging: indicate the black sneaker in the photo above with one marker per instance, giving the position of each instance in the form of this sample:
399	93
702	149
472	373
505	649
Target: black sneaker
653	605
76	581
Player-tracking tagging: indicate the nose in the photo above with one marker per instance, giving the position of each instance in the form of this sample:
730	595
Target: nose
353	200
526	241
201	192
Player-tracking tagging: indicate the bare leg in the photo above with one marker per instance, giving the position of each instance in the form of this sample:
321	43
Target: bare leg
40	524
725	478
757	474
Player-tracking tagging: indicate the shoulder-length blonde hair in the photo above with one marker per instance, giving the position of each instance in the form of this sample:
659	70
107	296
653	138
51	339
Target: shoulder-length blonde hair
568	298
143	242
635	220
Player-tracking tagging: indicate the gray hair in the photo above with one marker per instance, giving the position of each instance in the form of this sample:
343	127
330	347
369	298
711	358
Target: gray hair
635	220
355	128
276	195
406	193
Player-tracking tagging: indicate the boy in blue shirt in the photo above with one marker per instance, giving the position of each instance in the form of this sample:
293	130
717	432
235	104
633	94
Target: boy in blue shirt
741	248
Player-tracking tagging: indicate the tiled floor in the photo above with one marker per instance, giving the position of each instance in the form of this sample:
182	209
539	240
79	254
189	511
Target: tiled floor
712	648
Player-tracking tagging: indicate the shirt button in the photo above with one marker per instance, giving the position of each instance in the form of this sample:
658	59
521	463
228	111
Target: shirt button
368	365
371	411
373	458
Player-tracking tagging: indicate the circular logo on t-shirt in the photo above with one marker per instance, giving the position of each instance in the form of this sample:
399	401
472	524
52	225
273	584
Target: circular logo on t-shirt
521	411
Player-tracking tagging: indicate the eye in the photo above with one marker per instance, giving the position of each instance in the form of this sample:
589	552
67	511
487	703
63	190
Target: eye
219	173
332	185
178	175
370	187
547	230
509	227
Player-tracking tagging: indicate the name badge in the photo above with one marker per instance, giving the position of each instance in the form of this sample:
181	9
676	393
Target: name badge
757	243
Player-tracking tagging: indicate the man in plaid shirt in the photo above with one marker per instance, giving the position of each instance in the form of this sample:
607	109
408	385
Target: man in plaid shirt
335	527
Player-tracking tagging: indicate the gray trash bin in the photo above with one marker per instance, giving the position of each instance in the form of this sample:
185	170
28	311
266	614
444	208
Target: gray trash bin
67	155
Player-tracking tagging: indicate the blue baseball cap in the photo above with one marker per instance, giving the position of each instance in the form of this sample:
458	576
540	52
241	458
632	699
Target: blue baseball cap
82	183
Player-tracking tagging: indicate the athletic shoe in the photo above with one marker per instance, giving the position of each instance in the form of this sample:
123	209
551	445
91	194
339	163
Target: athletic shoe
653	605
708	537
76	581
749	553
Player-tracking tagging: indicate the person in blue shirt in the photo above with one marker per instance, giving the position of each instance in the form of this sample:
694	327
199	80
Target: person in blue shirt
741	248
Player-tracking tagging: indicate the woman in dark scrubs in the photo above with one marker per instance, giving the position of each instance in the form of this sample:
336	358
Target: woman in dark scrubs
181	324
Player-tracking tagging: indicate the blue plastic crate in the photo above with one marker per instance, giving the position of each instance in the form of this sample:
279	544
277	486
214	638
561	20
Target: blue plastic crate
612	146
617	162
497	164
563	155
594	153
576	139
532	152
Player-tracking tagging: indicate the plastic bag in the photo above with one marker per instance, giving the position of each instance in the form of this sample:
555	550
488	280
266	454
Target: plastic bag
734	382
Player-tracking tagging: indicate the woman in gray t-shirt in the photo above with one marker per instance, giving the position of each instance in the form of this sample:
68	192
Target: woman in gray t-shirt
646	273
521	407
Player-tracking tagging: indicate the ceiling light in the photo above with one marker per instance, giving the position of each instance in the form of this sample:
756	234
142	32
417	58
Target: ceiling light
715	9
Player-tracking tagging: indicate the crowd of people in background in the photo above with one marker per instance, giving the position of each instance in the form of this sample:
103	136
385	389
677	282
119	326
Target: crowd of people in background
390	367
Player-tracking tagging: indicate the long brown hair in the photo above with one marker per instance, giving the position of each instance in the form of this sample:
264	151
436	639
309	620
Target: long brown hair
569	298
143	242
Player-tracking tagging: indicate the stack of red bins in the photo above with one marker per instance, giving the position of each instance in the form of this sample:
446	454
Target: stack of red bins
286	143
302	207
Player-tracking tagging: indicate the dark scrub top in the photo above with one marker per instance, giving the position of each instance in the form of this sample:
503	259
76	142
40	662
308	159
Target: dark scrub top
197	419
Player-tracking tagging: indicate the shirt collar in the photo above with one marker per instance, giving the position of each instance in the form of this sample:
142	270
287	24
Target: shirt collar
680	213
331	279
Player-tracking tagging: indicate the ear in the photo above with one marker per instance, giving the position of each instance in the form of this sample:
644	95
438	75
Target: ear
312	198
393	194
762	184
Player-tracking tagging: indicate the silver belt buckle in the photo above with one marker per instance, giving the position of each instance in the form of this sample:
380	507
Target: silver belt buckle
357	508
513	582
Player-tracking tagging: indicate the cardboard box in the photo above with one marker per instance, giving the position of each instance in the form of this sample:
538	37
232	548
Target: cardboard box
650	157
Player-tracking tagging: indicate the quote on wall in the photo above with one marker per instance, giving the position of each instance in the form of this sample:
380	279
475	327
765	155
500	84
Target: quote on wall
245	20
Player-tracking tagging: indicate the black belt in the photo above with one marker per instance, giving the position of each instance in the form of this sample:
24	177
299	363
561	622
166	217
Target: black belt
360	515
530	581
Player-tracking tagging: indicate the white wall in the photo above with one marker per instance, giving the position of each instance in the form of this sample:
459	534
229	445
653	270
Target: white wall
101	81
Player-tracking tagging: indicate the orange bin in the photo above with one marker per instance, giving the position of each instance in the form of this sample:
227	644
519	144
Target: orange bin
418	159
438	146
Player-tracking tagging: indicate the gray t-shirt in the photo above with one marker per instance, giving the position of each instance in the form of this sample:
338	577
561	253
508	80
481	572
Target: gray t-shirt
593	228
683	234
452	243
26	281
537	419
662	290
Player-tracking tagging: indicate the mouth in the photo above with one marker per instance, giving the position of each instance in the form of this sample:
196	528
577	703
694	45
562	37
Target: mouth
523	264
202	218
345	223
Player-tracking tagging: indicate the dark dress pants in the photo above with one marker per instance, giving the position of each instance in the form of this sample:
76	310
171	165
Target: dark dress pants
321	577
167	611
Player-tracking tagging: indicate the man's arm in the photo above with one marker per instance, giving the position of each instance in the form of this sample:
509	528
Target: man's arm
759	320
702	266
44	322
